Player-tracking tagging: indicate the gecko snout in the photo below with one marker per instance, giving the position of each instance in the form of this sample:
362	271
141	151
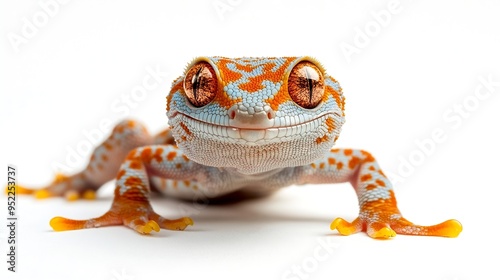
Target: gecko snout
252	117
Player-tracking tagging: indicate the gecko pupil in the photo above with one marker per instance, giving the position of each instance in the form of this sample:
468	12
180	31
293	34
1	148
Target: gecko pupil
309	82
196	83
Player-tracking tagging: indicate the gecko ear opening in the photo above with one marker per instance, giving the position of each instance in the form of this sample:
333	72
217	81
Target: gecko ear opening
200	84
306	85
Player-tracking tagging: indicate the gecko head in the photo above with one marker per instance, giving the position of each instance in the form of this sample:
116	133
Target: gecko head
255	114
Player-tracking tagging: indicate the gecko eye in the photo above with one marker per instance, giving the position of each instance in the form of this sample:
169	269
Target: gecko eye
200	84
306	85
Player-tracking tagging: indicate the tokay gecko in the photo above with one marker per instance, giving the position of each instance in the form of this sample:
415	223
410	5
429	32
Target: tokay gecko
237	124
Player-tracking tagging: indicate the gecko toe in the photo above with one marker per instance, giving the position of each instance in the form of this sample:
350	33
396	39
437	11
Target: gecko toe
89	194
71	195
449	228
147	227
42	194
344	227
177	224
384	232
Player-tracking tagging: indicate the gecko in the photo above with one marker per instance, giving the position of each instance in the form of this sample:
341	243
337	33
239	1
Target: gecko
254	124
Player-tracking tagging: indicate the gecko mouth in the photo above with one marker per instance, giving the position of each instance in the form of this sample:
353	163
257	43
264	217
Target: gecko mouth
317	127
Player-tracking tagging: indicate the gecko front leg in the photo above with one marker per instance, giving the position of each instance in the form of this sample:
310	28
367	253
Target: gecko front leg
379	215
131	206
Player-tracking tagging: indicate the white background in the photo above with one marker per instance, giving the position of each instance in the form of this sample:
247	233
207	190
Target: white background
64	79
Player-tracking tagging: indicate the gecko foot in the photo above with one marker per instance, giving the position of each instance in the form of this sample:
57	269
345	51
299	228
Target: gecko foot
382	220
139	216
389	229
70	187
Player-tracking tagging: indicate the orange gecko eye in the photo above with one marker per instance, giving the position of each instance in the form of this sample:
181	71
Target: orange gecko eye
306	85
200	84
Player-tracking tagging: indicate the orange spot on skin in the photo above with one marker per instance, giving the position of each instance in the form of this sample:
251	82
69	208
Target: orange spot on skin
348	152
175	88
187	183
334	150
104	157
280	98
331	161
185	157
131	123
329	91
313	165
226	73
381	173
322	139
100	167
244	67
185	128
366	177
372	168
255	83
225	101
171	155
371	187
120	174
340	165
178	166
147	155
131	155
368	156
107	146
380	182
195	187
354	162
179	86
322	165
135	164
175	184
133	181
157	155
330	124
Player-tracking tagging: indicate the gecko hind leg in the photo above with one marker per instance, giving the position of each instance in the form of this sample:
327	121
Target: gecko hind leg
71	187
103	164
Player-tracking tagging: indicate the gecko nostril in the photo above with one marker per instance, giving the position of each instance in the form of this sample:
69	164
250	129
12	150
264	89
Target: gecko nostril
232	115
271	114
